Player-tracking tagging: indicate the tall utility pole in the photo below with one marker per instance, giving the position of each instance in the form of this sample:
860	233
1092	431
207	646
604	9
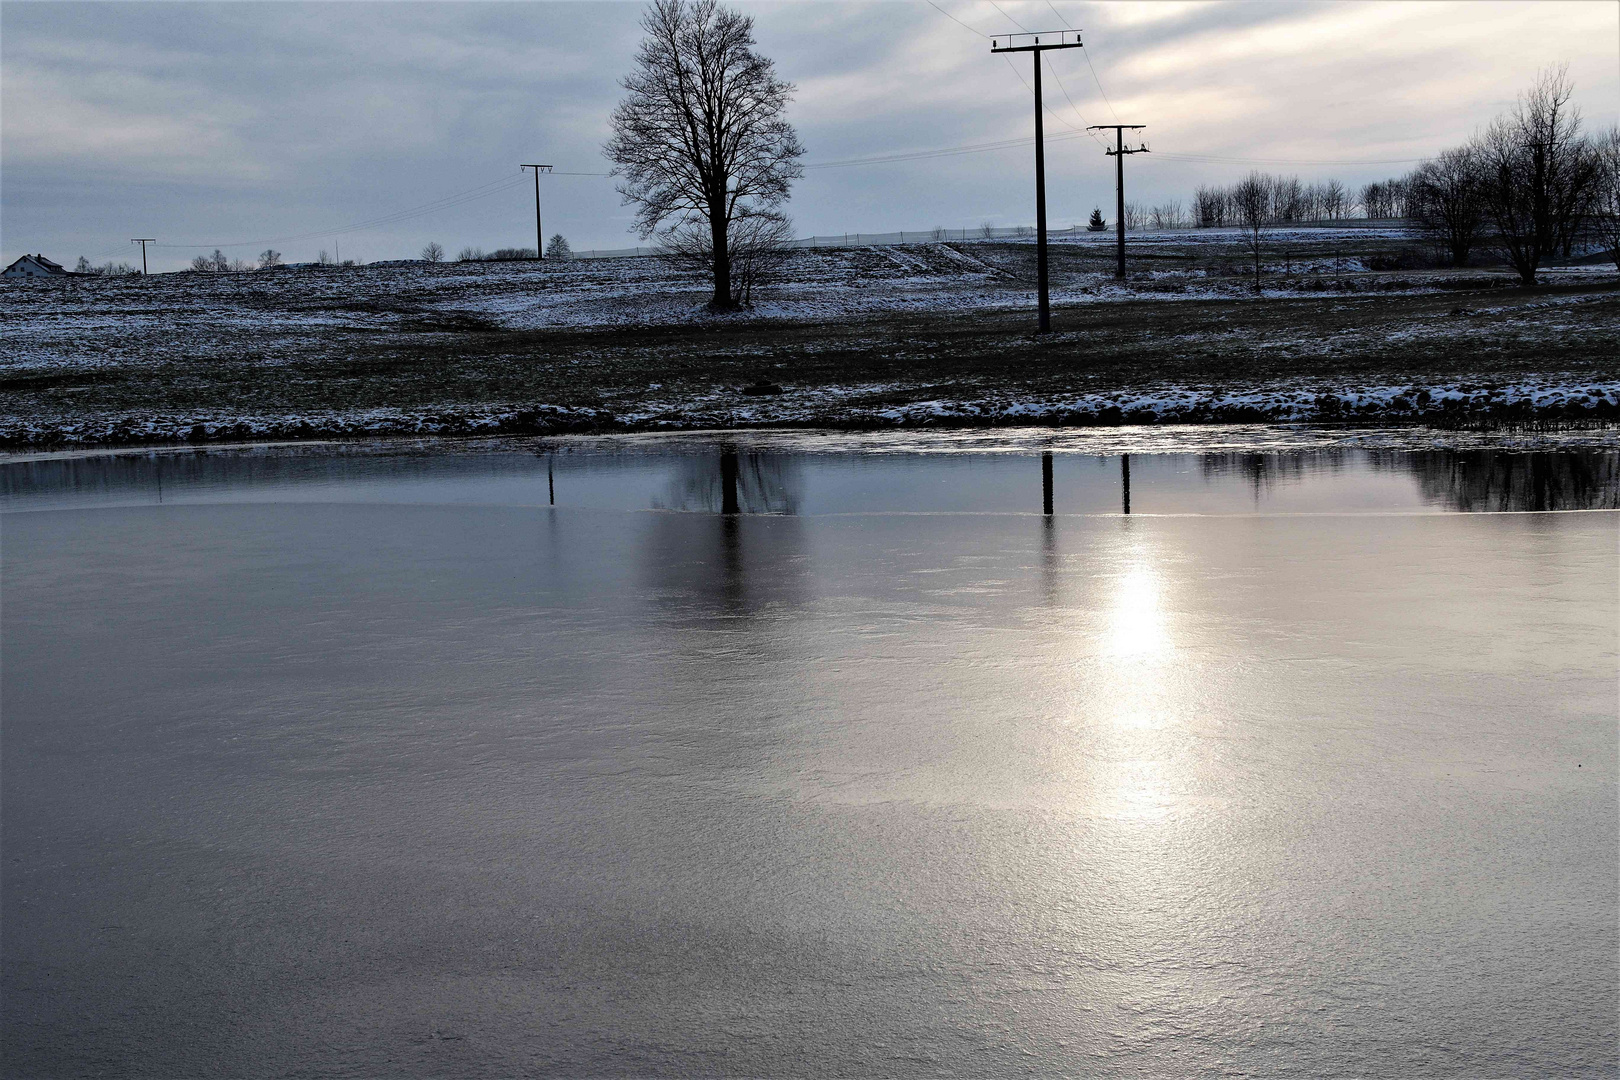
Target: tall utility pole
1036	44
539	247
143	241
1118	154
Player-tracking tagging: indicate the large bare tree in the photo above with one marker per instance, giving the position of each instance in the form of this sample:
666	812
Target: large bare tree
1447	200
1606	214
701	141
1539	173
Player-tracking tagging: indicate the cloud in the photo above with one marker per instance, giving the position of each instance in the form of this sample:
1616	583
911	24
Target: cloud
219	121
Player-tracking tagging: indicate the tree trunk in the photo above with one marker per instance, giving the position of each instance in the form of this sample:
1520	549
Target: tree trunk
722	259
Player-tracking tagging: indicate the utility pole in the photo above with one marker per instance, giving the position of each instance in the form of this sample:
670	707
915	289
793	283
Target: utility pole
1118	154
143	241
539	247
1035	45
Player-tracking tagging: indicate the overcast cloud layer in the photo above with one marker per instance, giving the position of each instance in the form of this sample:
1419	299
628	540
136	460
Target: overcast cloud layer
220	124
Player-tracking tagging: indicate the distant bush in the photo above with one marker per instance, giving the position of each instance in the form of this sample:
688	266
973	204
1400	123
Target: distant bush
109	269
269	260
498	255
557	248
433	253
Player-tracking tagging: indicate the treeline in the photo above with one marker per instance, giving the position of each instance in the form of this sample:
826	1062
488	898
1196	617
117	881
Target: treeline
220	263
108	269
556	248
1288	201
1531	186
269	259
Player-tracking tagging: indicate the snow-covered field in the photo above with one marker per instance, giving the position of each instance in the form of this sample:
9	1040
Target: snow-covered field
627	344
91	321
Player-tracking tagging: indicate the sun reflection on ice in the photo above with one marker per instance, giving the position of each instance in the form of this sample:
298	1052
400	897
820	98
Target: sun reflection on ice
1142	694
1136	622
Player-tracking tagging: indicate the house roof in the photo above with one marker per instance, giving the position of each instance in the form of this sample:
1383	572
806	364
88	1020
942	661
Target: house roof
51	267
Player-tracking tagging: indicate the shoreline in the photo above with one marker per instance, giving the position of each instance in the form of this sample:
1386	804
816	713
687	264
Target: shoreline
1484	408
1031	438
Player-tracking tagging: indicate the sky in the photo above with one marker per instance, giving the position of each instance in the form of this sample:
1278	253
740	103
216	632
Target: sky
253	124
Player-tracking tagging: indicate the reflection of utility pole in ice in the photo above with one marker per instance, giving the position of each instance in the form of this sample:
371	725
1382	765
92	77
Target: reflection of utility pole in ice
1125	481
1046	484
728	480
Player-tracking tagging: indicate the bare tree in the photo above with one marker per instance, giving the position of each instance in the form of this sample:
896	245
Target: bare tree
557	247
759	246
1287	199
702	131
323	259
1210	206
471	254
987	229
1447	202
433	253
1606	208
269	260
1335	201
1538	173
1167	215
1252	199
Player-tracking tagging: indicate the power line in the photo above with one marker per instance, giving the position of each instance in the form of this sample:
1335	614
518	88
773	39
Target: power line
445	202
1050	67
1070	131
1009	18
1288	161
1100	89
955	20
1093	68
945	151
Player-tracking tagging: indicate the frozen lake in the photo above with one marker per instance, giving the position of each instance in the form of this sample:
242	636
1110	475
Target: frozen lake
334	763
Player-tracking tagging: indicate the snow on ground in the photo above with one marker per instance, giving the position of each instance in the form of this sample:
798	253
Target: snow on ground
94	323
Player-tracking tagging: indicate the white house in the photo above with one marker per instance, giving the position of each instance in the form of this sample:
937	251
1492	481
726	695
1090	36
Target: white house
32	266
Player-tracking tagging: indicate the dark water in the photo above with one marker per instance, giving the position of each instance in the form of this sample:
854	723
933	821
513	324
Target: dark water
337	764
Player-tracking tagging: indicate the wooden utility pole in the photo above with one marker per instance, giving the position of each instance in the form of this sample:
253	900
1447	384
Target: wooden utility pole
539	244
1118	154
1035	44
143	241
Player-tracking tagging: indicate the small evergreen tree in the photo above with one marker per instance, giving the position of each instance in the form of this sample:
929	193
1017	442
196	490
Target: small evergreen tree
1097	223
557	248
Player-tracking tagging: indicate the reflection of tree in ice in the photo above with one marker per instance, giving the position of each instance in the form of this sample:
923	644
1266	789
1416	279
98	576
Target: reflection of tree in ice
747	559
1263	471
734	483
1480	480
